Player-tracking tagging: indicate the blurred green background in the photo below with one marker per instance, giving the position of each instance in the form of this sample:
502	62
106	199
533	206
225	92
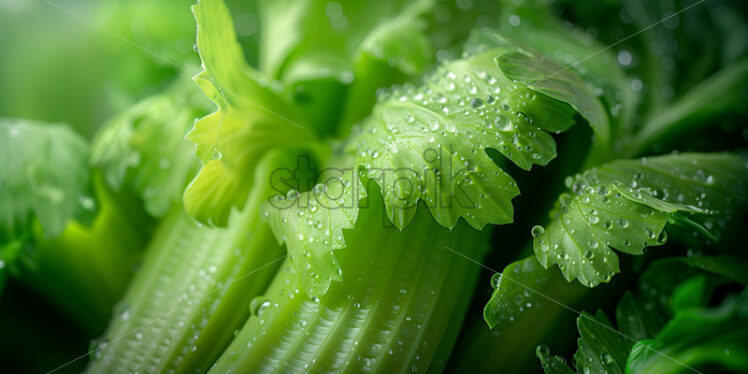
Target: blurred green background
79	61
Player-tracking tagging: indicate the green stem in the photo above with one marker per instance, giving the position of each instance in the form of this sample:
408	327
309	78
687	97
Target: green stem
655	77
85	270
402	295
716	95
194	289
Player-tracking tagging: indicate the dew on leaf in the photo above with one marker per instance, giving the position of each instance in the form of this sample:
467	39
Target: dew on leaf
537	231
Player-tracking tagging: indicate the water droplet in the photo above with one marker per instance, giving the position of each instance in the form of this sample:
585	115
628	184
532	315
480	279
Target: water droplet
537	230
650	233
258	305
87	203
122	310
606	358
320	188
542	351
636	85
496	280
624	58
292	194
514	20
502	123
662	238
96	348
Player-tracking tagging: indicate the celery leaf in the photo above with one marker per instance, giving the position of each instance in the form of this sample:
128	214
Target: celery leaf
429	143
626	204
144	147
251	119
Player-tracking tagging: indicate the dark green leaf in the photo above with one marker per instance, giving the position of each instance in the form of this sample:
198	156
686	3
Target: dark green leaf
626	204
690	294
639	316
728	266
515	291
602	349
697	337
544	76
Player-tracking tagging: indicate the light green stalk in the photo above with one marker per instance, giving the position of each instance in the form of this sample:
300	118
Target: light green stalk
398	309
193	290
